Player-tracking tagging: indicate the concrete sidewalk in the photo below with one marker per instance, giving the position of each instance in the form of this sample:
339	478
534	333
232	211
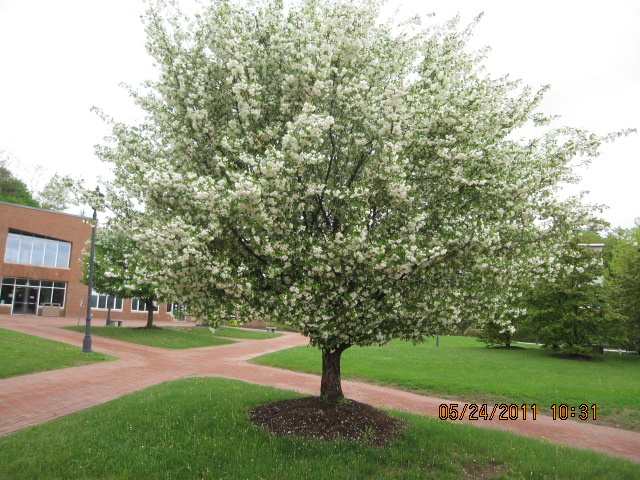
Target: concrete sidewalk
32	399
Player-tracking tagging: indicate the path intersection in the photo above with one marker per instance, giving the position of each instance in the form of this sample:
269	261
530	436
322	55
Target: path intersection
36	398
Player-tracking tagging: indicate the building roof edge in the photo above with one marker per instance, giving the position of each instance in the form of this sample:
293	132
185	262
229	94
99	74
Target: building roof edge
45	210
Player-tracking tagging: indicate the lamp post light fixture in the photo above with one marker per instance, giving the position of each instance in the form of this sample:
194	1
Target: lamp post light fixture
86	342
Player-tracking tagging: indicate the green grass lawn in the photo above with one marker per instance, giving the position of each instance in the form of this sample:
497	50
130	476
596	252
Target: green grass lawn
168	338
198	428
463	368
176	338
21	354
244	333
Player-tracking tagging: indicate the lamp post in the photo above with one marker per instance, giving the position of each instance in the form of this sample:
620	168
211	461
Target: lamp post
86	342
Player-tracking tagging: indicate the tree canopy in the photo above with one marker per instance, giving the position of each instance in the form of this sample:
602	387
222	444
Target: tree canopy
568	313
623	289
14	190
362	182
114	270
58	193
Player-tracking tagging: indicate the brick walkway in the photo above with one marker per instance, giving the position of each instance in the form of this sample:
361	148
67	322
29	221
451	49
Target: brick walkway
32	399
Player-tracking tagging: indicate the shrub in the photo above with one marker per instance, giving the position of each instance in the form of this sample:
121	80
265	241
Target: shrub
578	352
494	334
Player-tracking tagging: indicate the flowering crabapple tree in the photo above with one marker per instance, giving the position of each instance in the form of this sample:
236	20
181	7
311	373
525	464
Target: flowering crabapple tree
308	164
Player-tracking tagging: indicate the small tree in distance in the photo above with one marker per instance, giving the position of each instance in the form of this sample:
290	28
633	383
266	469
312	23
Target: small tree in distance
114	271
310	165
58	193
497	334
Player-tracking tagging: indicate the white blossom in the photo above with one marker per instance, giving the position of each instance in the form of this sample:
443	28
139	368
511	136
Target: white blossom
321	170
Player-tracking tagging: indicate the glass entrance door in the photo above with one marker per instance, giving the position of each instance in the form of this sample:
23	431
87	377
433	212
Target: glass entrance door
25	300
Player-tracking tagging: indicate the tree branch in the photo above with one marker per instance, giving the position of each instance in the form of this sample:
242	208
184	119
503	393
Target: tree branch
245	246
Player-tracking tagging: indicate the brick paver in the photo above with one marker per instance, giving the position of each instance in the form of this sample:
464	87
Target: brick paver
32	399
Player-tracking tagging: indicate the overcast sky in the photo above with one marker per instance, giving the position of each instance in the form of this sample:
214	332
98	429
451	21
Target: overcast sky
60	58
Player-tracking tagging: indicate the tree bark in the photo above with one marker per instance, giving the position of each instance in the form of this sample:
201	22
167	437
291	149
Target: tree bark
331	383
149	302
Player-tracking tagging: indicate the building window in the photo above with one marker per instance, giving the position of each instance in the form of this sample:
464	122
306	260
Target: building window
177	311
31	249
139	305
173	306
44	291
6	293
104	302
52	292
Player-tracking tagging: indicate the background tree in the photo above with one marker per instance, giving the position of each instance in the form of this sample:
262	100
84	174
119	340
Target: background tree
496	334
567	313
503	333
114	270
14	190
310	165
58	193
623	289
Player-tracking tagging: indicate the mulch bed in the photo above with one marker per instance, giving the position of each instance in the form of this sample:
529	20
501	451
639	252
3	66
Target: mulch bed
320	419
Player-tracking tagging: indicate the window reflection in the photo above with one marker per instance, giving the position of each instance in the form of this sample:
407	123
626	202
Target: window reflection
50	292
30	249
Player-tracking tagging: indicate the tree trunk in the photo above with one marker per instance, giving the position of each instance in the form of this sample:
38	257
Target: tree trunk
331	383
149	302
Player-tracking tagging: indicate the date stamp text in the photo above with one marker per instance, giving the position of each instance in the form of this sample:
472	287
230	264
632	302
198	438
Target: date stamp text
513	411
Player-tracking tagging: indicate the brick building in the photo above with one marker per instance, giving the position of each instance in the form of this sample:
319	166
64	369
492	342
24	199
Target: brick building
41	268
